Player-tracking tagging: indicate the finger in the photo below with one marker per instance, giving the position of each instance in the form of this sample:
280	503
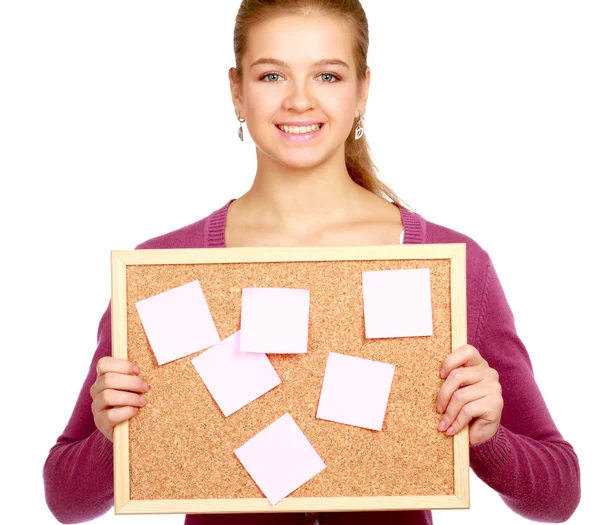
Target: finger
476	409
93	390
114	416
116	381
466	355
458	378
459	400
117	398
114	364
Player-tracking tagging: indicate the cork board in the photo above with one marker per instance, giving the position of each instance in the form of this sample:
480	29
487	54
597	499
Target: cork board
177	454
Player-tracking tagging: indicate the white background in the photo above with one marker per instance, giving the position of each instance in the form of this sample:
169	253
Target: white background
116	125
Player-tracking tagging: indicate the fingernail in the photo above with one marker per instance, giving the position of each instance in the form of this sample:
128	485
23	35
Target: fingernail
439	408
146	387
143	400
450	431
442	425
136	370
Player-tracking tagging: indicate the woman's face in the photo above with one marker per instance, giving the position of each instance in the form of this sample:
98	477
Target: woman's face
299	70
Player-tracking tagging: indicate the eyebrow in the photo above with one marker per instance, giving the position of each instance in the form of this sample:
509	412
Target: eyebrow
281	63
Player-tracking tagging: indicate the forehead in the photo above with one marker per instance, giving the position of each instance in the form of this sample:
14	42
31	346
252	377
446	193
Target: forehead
300	39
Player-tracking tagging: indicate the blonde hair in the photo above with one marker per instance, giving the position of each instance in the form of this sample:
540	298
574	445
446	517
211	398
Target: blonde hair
358	159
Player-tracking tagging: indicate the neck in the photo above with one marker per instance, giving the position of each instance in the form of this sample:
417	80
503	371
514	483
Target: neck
293	199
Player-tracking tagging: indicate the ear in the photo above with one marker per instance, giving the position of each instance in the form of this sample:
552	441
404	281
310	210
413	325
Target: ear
364	91
236	88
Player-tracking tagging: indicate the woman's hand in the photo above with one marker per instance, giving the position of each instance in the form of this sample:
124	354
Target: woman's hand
471	393
114	393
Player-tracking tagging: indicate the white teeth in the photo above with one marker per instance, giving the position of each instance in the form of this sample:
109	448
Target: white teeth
299	130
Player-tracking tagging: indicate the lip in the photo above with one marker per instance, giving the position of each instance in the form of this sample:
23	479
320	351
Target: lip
299	123
304	137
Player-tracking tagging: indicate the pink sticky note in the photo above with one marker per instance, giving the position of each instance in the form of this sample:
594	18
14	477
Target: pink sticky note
235	378
280	459
355	391
178	322
397	303
274	320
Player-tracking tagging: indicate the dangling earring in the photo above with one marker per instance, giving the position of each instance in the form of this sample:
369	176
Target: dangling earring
359	129
241	131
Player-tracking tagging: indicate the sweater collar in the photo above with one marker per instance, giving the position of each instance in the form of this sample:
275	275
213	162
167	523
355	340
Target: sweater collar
414	226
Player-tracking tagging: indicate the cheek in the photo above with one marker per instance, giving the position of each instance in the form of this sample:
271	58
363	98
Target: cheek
262	103
338	104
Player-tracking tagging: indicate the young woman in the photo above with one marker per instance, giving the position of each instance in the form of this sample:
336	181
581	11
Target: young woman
301	84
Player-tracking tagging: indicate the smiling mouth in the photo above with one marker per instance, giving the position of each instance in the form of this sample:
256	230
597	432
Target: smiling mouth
299	130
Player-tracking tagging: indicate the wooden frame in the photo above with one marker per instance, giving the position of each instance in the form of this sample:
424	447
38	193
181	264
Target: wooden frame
454	253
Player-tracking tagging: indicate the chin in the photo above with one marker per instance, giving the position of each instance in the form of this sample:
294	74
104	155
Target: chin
301	163
300	160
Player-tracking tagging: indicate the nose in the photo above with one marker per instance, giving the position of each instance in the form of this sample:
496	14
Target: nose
298	98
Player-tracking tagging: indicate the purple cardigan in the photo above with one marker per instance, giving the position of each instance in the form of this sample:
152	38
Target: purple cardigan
535	471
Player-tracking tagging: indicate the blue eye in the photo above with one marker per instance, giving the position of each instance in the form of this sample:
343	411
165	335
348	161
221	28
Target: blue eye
270	75
329	75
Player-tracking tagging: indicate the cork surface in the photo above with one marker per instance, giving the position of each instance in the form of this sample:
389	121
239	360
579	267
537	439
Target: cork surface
182	447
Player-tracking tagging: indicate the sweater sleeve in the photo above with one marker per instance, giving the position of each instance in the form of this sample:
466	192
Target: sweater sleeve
78	472
531	466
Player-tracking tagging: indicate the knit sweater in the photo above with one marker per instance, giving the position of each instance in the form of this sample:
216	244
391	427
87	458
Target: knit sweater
534	470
